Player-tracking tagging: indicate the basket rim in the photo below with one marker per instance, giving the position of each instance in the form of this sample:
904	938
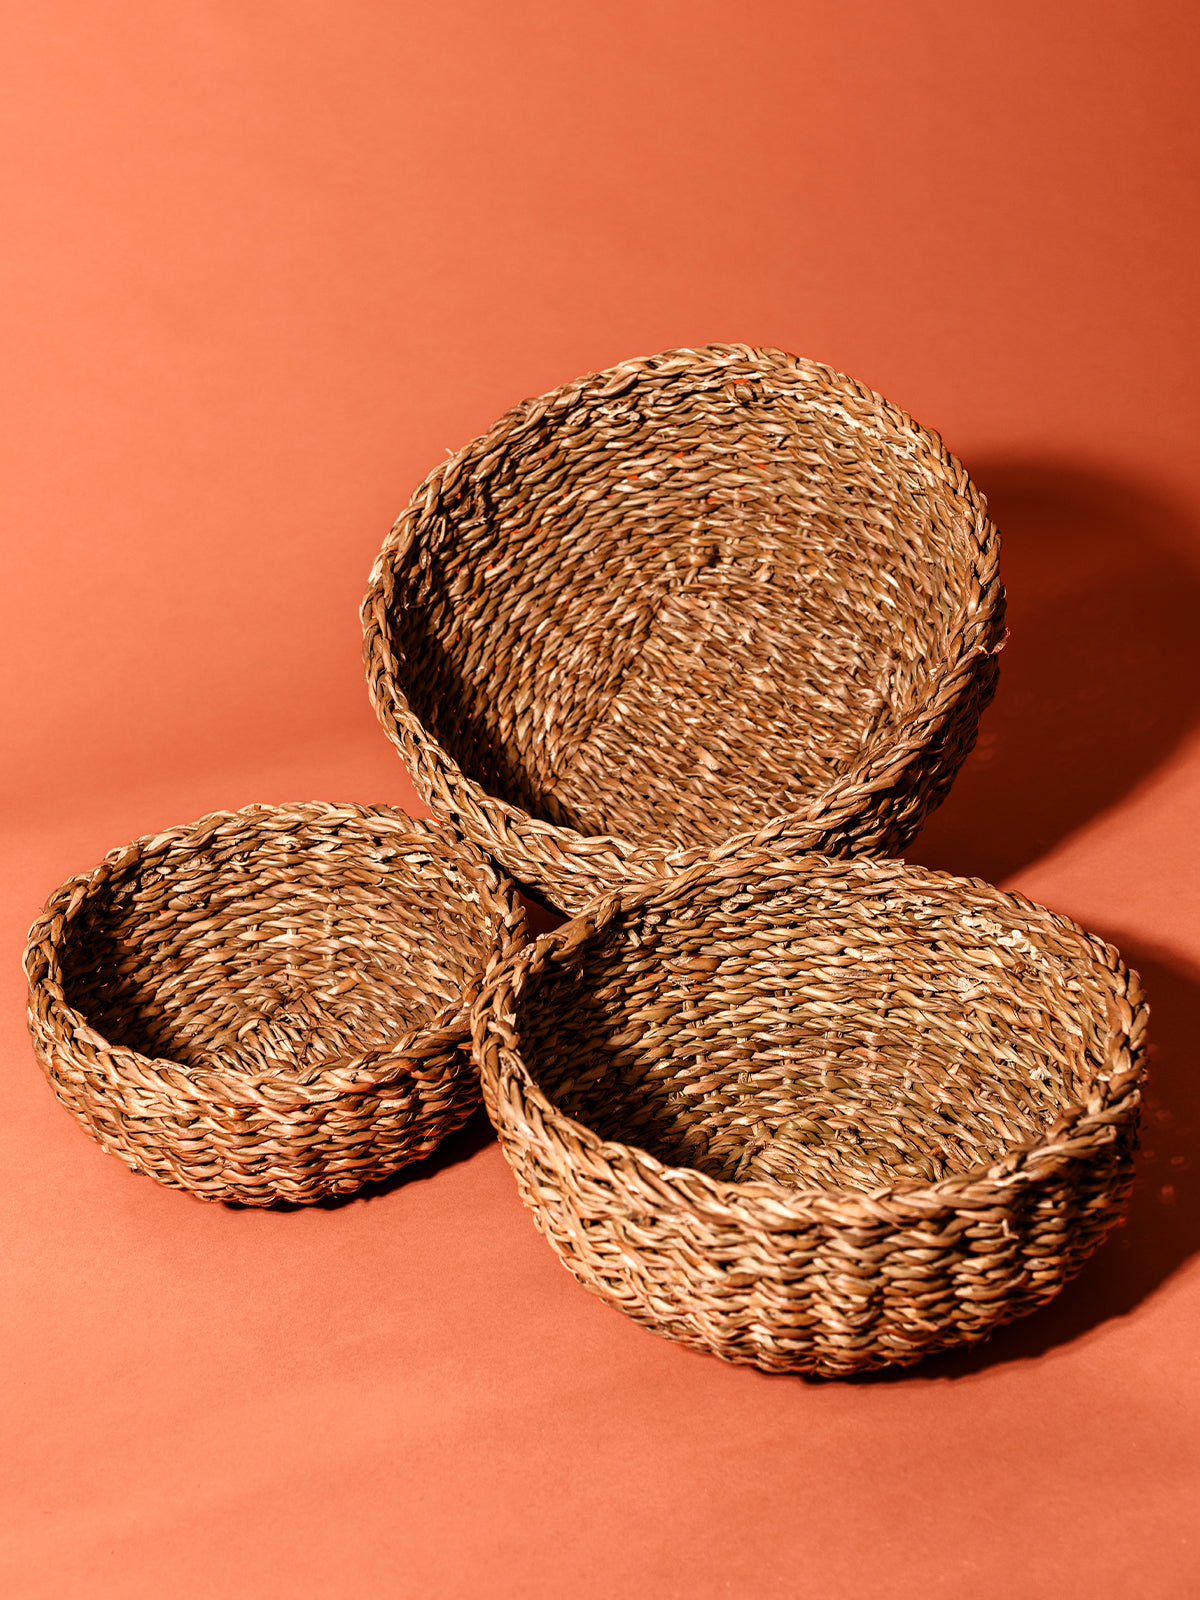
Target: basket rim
873	770
327	1081
772	1202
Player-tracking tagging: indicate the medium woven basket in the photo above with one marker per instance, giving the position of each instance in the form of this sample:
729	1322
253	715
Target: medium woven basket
716	595
815	1115
270	1004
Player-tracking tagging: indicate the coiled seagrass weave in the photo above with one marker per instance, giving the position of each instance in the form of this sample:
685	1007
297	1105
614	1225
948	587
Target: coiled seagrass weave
270	1004
718	593
817	1115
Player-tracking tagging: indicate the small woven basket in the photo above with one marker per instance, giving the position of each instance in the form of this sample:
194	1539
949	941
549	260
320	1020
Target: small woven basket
719	594
814	1115
270	1004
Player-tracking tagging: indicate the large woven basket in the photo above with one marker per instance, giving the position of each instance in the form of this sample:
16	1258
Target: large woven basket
270	1004
817	1115
716	595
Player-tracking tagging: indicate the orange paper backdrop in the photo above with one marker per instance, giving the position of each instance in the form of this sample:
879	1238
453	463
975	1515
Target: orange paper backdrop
262	265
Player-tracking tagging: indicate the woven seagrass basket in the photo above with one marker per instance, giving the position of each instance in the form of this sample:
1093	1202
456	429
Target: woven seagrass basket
816	1115
270	1004
715	594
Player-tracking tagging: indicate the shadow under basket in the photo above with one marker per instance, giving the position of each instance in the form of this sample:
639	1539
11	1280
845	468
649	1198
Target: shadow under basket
814	1115
270	1004
717	596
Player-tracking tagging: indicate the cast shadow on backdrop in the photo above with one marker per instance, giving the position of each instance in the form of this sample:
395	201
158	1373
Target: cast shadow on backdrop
1100	682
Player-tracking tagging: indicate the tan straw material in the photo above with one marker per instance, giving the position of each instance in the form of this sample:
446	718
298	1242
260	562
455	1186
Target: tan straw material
817	1115
718	593
270	1004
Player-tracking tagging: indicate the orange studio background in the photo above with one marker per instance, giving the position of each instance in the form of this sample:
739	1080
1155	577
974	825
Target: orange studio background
263	264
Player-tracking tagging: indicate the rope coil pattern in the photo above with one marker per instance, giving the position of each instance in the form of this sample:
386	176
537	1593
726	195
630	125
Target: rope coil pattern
717	594
270	1004
817	1115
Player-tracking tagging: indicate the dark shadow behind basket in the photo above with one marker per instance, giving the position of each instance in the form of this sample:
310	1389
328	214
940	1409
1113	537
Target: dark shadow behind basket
719	596
818	1116
270	1004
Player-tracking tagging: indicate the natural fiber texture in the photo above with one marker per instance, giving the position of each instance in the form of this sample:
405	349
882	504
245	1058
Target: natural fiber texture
817	1115
719	593
270	1004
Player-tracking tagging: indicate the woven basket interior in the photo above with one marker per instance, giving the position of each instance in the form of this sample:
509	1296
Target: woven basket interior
674	611
794	1036
281	953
